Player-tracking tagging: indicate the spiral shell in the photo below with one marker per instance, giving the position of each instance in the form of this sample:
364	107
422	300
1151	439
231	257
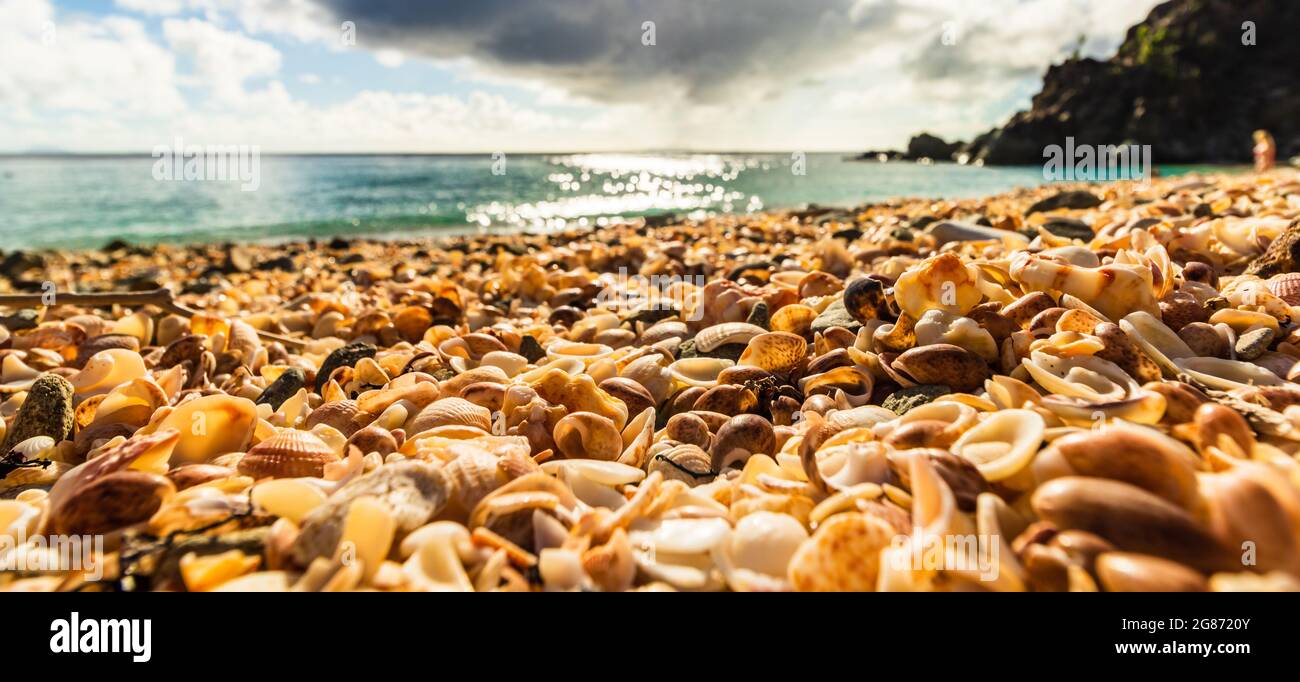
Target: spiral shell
584	435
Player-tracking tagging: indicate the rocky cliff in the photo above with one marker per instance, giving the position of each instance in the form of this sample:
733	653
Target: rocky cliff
1191	80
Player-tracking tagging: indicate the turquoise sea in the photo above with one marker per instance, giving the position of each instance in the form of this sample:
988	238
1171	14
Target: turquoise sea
87	201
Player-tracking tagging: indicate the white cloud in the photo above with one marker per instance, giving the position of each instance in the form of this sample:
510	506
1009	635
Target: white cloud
111	66
223	60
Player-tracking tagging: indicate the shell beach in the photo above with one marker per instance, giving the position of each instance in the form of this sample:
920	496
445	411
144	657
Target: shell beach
1067	388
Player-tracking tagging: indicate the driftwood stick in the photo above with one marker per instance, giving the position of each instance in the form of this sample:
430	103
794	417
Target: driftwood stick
161	298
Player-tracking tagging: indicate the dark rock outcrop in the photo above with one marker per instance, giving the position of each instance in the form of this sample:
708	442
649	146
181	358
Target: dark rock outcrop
1183	81
927	146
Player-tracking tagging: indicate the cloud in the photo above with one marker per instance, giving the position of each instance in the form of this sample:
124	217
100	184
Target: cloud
223	60
702	51
727	50
110	67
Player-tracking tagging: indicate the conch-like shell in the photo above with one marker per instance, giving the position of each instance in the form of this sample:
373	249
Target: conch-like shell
580	394
1115	290
942	282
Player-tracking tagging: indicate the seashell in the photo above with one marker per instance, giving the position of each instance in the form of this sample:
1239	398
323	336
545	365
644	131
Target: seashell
107	370
1125	354
699	371
1127	572
944	365
633	394
1242	321
1285	286
742	436
897	336
794	319
843	555
116	489
1023	310
184	349
289	453
865	300
472	475
941	282
688	428
1088	377
851	380
584	352
1115	289
1249	507
1138	456
726	399
1144	407
93	345
191	475
1222	427
711	338
580	394
414	491
486	394
131	403
209	426
1003	443
584	435
343	415
757	554
776	352
664	330
1131	518
374	438
169	328
1227	375
683	462
47	411
938	326
450	412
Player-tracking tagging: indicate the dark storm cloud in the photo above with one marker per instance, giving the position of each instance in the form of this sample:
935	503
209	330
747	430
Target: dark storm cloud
705	49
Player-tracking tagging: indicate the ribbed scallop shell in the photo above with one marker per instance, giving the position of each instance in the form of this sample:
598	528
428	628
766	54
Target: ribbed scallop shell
1286	287
290	453
450	412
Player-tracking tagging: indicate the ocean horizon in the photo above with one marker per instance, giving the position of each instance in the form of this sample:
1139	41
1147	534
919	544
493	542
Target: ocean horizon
80	200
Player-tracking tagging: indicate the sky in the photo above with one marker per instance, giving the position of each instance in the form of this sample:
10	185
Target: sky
478	76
